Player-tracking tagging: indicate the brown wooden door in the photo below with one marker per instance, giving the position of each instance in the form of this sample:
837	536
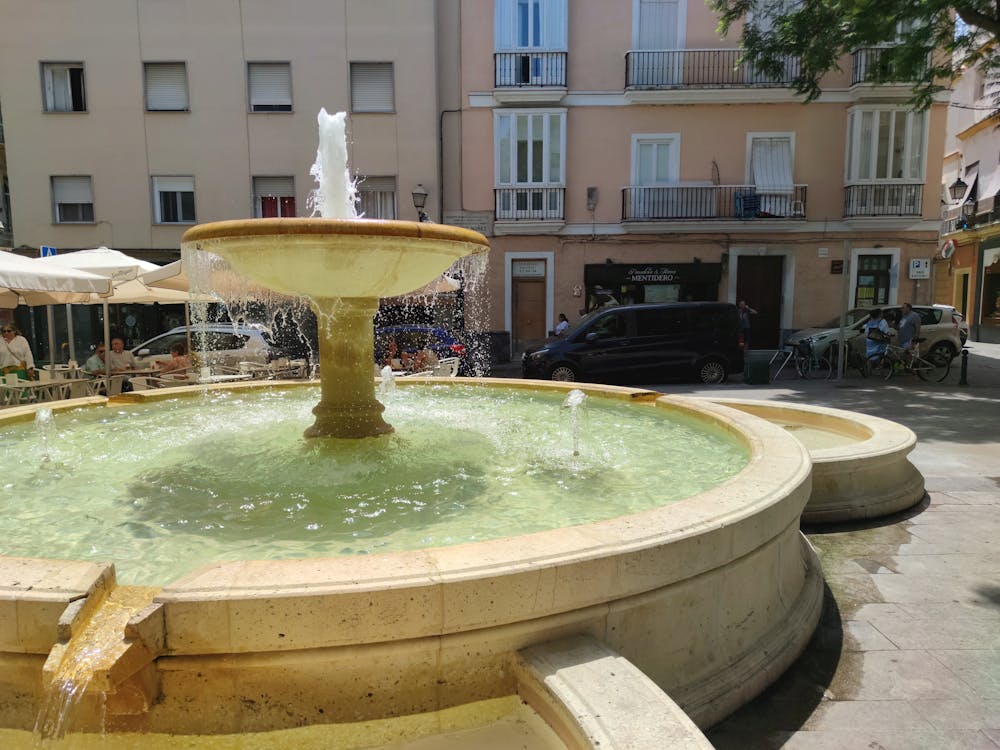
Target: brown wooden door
528	312
758	281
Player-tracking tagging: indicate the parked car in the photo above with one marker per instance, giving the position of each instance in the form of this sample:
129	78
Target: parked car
939	325
413	338
219	343
643	343
963	324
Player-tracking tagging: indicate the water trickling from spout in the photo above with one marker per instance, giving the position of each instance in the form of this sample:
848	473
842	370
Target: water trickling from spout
388	384
573	400
43	424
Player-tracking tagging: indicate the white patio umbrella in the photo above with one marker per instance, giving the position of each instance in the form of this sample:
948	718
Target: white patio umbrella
103	261
170	276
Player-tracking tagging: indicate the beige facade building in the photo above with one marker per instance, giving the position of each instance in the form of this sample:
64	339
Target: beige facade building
626	153
612	151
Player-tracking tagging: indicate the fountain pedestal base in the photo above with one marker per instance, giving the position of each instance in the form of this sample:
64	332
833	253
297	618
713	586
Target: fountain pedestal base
348	407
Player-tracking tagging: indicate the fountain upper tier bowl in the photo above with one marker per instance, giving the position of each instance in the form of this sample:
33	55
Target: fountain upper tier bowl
337	258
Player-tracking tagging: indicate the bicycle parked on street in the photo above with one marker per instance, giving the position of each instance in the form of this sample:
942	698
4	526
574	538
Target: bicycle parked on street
801	359
935	367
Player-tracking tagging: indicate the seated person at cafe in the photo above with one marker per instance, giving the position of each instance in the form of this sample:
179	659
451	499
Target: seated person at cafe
15	354
180	360
121	360
95	364
418	361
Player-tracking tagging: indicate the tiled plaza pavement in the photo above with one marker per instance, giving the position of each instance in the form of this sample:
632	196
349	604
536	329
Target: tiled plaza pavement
907	656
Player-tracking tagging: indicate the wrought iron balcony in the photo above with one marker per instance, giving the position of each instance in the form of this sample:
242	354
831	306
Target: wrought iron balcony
525	68
718	202
864	61
699	68
884	199
529	203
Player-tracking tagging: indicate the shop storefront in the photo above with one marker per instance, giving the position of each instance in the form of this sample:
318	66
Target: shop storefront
989	299
626	284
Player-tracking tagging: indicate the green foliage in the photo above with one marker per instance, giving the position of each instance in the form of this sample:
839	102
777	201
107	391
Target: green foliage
911	41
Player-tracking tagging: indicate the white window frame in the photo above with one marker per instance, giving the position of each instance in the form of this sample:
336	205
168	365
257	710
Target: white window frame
269	87
857	252
174	99
260	185
852	152
360	95
72	190
548	180
176	184
50	84
751	137
376	197
551	34
681	24
672	141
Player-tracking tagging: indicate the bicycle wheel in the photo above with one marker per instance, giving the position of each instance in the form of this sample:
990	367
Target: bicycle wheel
817	368
935	368
886	367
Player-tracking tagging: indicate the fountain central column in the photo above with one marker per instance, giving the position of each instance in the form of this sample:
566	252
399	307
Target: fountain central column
347	407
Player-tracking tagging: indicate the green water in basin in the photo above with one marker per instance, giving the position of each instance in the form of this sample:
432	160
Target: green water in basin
162	488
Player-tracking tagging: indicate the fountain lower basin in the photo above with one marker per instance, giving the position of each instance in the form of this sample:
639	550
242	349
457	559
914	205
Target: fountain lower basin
712	597
860	463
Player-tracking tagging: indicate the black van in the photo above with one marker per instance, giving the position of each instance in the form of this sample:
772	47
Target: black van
643	343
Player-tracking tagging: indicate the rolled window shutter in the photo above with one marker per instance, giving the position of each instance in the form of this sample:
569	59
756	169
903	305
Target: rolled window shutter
166	87
270	87
173	184
274	186
372	87
72	190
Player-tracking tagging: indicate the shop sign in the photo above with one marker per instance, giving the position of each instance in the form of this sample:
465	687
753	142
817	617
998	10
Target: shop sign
651	275
528	268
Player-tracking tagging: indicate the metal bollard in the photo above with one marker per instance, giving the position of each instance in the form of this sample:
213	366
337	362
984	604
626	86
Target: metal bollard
963	377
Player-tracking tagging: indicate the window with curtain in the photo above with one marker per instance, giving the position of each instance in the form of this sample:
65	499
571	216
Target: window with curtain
270	87
73	200
372	88
530	24
885	144
173	200
63	87
377	197
529	147
166	87
771	164
273	197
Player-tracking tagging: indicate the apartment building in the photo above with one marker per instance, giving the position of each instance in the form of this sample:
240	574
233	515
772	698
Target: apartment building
127	122
622	153
967	265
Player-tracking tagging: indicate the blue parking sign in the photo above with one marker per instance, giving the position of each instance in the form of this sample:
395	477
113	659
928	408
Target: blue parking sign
46	251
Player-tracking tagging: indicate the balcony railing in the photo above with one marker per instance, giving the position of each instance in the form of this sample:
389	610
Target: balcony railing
885	199
699	68
529	204
965	220
864	61
719	202
529	69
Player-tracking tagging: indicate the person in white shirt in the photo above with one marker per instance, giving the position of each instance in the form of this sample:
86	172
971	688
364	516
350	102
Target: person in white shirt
563	325
121	360
15	353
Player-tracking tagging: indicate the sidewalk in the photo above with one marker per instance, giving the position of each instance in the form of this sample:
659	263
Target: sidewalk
907	656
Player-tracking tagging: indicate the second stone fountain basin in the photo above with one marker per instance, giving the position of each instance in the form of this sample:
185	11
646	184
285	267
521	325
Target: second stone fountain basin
330	258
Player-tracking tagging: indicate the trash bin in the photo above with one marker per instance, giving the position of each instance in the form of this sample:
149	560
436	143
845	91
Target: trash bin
756	369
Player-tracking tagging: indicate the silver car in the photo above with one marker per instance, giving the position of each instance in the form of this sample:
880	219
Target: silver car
939	326
219	343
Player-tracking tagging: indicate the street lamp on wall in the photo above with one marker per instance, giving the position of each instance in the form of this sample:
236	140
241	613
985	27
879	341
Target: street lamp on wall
957	189
419	201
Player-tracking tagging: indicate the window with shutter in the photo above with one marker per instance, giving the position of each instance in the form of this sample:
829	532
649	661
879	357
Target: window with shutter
73	200
270	87
273	197
166	87
173	200
372	87
377	197
63	88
